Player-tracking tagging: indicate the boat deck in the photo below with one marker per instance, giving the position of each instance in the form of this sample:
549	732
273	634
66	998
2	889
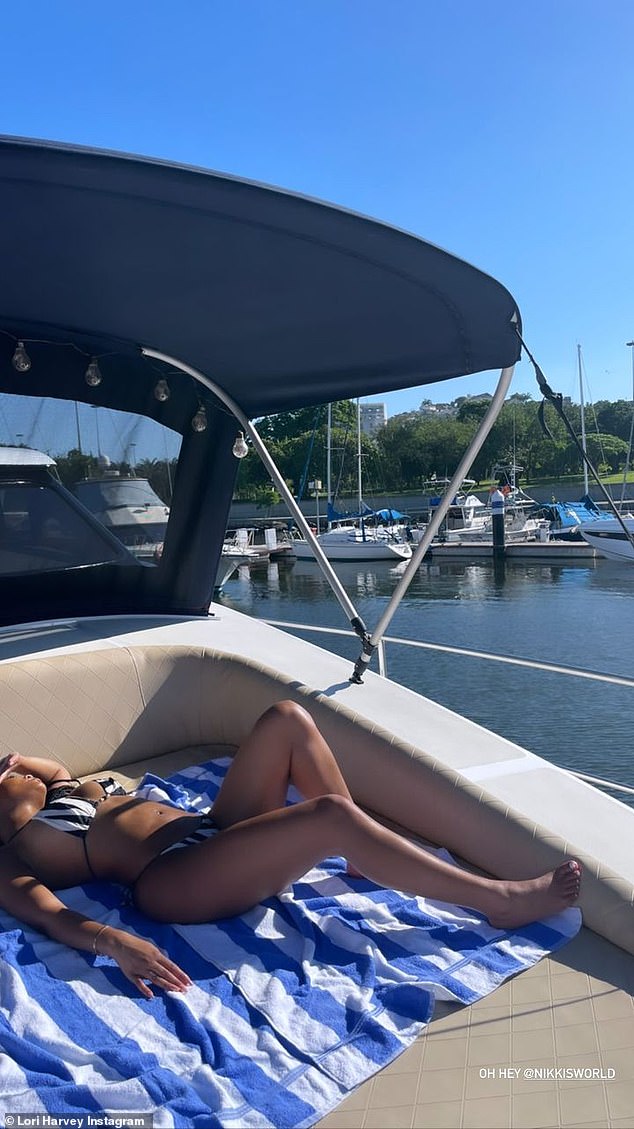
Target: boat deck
574	1010
494	1063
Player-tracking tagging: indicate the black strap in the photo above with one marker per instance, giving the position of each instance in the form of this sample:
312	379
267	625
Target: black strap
557	401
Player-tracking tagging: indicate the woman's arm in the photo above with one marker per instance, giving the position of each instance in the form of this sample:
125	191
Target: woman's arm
50	771
34	904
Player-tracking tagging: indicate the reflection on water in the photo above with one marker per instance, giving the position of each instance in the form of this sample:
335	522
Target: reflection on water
573	613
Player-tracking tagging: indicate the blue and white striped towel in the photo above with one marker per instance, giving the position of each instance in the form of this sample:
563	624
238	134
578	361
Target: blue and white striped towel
294	1004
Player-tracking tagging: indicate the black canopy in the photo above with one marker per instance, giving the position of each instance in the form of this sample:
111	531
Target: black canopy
282	300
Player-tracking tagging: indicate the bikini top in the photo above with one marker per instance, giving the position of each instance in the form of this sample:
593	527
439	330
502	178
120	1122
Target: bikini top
74	814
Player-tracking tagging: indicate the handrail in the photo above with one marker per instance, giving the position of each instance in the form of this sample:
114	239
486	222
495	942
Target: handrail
552	668
604	783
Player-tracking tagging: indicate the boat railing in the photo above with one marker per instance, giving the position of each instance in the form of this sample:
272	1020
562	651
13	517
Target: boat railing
552	668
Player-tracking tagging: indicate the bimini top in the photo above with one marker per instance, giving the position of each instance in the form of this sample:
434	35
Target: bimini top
278	300
281	300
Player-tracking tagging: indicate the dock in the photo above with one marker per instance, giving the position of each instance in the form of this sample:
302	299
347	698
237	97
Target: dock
531	550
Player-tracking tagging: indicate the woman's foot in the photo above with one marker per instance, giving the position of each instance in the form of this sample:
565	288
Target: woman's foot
518	903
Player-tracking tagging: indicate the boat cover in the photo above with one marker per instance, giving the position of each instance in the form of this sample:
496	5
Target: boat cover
389	514
385	514
348	515
569	515
282	300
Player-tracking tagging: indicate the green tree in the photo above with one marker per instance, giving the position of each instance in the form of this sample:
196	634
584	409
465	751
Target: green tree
159	476
607	450
614	419
415	445
74	465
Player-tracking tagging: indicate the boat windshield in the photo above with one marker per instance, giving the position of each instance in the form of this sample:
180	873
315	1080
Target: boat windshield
79	485
42	531
113	491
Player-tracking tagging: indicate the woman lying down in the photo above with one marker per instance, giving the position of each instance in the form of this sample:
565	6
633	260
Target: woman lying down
184	868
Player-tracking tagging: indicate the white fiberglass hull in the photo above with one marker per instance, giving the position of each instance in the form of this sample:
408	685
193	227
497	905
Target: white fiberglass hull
348	548
609	539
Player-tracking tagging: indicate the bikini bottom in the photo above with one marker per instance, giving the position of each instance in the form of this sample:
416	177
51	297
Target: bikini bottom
206	828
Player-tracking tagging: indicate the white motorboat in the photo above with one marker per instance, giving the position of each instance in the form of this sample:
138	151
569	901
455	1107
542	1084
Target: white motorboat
518	528
241	547
238	549
466	511
212	302
130	508
608	537
43	526
469	520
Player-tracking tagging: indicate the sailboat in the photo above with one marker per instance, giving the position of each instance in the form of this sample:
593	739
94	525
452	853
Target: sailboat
345	540
611	537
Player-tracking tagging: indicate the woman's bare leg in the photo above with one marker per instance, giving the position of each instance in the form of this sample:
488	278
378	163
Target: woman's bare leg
253	860
284	747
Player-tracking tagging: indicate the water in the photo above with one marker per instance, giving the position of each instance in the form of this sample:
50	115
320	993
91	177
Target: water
573	613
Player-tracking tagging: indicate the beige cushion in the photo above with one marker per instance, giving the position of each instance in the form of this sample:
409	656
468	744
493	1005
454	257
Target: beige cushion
162	708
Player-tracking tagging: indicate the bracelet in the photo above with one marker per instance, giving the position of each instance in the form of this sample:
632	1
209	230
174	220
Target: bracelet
96	938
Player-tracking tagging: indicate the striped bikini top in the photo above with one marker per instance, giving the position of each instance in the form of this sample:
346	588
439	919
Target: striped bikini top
74	814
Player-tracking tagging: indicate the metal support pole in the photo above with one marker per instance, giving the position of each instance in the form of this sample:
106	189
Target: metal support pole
434	524
348	607
630	345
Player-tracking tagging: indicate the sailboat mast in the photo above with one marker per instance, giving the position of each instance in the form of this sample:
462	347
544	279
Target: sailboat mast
583	419
359	489
630	345
329	464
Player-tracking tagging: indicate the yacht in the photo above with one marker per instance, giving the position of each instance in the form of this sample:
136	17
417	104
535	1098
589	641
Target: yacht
212	302
43	527
130	508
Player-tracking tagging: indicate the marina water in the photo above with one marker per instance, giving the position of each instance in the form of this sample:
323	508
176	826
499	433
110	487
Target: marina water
572	613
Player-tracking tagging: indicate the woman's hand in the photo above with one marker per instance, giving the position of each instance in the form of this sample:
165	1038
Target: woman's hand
46	770
140	960
9	763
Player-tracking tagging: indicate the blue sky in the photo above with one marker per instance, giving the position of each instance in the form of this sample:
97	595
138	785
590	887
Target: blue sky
500	131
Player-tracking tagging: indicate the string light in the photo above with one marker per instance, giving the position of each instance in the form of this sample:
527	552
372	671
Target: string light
93	375
240	448
162	391
199	422
20	359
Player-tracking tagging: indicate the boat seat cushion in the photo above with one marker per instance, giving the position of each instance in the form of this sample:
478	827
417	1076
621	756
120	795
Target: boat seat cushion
159	709
129	706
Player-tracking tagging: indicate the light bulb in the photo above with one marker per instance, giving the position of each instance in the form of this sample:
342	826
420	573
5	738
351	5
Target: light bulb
240	448
162	391
199	422
20	359
93	375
